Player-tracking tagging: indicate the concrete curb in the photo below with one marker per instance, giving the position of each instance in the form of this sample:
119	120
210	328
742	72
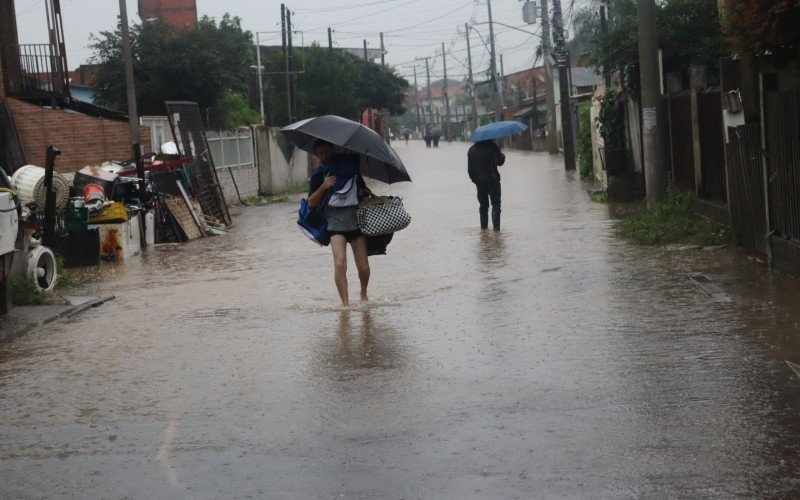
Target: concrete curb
69	312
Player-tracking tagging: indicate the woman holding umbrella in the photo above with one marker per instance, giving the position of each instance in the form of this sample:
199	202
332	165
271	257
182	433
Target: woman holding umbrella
337	186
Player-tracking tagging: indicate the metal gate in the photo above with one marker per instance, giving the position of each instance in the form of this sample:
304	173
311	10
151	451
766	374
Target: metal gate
783	157
748	212
680	127
712	146
187	128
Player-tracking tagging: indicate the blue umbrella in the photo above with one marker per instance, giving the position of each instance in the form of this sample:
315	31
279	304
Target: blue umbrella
497	130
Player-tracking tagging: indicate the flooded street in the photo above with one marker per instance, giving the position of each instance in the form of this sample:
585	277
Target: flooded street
550	359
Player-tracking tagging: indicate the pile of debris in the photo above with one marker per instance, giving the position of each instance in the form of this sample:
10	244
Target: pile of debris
108	211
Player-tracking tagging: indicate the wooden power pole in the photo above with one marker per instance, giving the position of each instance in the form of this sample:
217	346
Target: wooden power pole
655	174
563	84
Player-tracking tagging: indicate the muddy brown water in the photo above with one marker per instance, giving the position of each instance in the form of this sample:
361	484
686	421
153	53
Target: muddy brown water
550	359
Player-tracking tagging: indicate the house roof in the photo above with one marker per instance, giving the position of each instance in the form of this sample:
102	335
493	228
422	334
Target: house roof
585	77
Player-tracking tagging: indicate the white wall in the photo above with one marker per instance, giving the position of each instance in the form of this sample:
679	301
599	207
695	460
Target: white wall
277	173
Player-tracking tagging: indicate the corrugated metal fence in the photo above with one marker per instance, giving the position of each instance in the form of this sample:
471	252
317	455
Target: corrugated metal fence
712	146
748	211
231	148
783	159
680	128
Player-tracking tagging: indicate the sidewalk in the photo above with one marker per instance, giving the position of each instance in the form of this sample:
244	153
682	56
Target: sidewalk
23	319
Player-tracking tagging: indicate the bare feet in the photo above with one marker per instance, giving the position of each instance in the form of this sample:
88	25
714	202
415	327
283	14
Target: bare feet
364	298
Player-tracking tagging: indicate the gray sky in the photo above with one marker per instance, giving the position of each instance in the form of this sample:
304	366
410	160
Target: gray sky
413	28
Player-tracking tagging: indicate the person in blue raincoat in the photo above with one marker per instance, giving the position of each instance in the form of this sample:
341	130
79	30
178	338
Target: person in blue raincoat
337	186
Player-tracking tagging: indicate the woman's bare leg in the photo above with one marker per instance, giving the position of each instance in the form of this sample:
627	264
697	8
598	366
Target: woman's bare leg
339	248
359	246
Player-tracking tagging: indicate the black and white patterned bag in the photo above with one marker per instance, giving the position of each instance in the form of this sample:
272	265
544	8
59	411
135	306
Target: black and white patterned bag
382	215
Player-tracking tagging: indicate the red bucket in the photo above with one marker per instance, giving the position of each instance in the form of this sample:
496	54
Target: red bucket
93	192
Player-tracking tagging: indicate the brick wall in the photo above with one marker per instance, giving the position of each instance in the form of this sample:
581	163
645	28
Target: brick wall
83	140
178	13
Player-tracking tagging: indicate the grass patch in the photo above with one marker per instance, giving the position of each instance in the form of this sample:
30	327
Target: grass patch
672	221
24	292
599	197
257	201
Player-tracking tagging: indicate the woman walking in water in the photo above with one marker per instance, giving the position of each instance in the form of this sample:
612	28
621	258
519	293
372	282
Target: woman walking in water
337	186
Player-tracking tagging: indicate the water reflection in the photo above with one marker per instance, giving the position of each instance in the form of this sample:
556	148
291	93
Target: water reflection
361	343
493	258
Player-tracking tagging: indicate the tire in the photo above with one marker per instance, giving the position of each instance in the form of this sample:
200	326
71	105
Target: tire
4	299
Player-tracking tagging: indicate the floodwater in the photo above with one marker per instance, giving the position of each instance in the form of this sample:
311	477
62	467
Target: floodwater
550	359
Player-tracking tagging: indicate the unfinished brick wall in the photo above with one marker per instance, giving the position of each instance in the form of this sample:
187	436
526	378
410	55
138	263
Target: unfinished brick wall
83	140
178	13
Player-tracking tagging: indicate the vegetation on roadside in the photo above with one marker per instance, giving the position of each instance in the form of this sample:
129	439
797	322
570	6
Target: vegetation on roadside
258	201
63	278
599	196
672	221
23	292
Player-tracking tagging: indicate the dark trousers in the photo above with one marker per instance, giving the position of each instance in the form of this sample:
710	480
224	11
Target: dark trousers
489	191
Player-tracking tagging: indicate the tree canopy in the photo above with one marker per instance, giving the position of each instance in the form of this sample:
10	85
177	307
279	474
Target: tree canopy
343	85
208	63
765	27
689	33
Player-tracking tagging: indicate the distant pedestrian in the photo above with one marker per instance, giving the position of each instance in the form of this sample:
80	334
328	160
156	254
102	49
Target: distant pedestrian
436	140
427	138
483	158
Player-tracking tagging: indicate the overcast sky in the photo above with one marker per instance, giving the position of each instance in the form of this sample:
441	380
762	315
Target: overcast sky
412	28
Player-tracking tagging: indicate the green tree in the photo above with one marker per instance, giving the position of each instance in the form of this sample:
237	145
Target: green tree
689	34
345	87
207	63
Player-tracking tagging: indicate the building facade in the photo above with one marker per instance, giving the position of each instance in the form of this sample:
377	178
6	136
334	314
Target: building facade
178	13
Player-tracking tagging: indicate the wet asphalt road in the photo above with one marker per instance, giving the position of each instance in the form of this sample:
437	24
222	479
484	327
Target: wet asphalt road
550	359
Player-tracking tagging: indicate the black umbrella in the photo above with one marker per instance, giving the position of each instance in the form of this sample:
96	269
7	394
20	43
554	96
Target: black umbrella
438	131
377	160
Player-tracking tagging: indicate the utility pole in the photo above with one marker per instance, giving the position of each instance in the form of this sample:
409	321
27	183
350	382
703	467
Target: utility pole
563	84
292	76
430	102
446	99
416	96
604	31
260	70
493	64
330	64
655	175
133	114
502	83
383	51
286	65
552	139
365	51
472	92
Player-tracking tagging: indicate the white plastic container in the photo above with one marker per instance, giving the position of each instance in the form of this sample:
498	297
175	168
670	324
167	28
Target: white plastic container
9	221
150	228
28	182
